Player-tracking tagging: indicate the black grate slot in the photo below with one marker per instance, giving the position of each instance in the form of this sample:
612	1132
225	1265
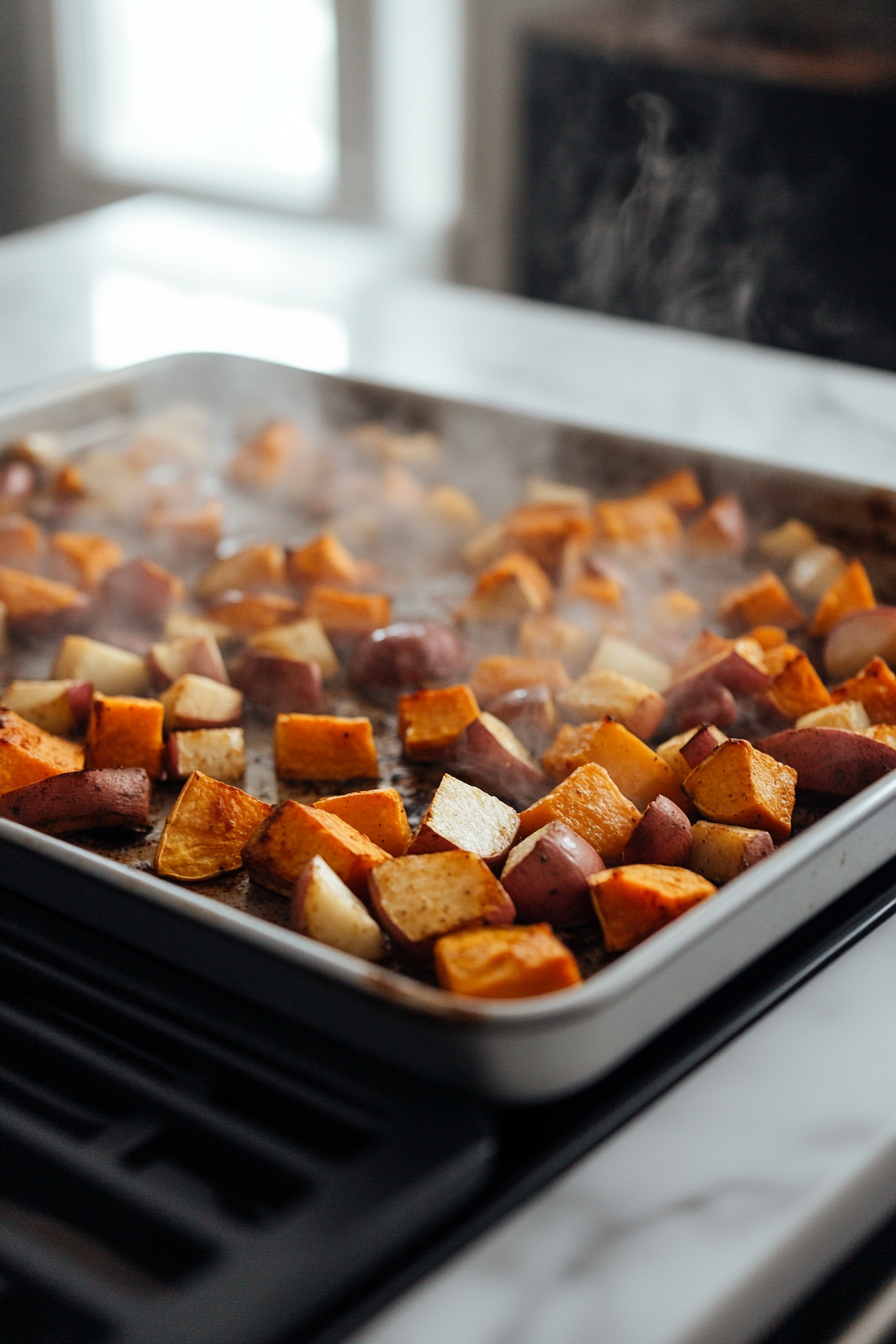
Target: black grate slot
216	1175
29	1315
290	1117
57	1089
104	1234
95	1022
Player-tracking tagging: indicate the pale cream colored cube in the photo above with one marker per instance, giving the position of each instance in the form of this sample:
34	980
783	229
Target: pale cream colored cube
603	691
849	714
302	641
619	656
219	753
326	910
112	671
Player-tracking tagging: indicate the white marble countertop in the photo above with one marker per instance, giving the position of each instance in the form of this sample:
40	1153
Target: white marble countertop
706	1215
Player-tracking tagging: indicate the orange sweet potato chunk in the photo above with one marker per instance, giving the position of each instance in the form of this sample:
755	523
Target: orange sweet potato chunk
429	722
762	601
512	963
206	829
681	490
377	813
875	688
635	901
548	533
500	673
721	528
636	771
768	636
30	598
342	613
264	459
509	591
324	746
643	518
744	787
293	834
251	613
323	560
591	805
125	731
797	689
606	592
28	754
84	557
851	592
20	541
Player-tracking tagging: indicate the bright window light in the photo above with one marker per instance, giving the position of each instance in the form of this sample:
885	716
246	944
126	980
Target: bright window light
233	96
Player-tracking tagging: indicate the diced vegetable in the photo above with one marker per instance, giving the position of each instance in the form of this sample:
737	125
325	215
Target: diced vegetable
848	714
199	702
125	732
681	490
515	587
409	655
786	542
546	876
111	671
530	712
430	722
762	601
720	852
663	835
28	754
172	658
745	786
262	566
206	830
219	753
620	656
590	804
84	558
422	897
325	909
377	813
86	800
490	755
851	592
245	614
35	605
640	519
56	706
293	833
859	637
815	570
637	771
306	641
141	588
323	560
875	688
831	760
604	692
324	746
348	614
282	685
461	816
671	749
635	901
505	963
501	673
798	689
721	528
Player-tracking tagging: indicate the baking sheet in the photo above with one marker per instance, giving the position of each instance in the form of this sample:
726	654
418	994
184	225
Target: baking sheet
524	1050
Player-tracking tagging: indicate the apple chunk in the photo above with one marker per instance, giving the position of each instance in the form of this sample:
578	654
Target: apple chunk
56	706
199	702
463	817
421	897
546	876
325	909
87	800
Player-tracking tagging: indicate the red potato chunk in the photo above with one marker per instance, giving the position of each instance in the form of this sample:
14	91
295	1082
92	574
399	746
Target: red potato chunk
141	589
199	702
281	685
463	817
409	656
720	852
831	760
56	706
110	670
546	876
325	909
173	658
305	641
529	712
86	800
421	897
604	692
662	836
489	755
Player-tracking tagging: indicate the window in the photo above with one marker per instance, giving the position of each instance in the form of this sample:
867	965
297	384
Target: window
233	97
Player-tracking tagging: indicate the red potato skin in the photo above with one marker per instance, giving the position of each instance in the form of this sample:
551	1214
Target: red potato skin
859	637
409	656
83	801
831	760
479	758
80	701
204	661
280	685
141	589
551	882
702	701
701	745
529	711
663	835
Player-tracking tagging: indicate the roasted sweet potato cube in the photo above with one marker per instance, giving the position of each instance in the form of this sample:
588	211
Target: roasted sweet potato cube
206	830
422	897
547	532
875	688
21	541
636	771
85	800
852	591
742	786
720	852
603	691
323	560
34	604
262	566
377	813
219	753
125	732
294	833
505	963
513	588
68	482
720	528
305	641
670	750
681	490
325	909
880	732
200	702
635	901
141	588
268	455
762	601
251	613
500	673
768	637
461	816
28	754
348	614
324	746
430	722
675	610
641	519
590	804
602	589
83	558
798	689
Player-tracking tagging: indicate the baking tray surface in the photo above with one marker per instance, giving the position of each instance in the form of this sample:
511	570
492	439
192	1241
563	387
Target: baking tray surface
236	933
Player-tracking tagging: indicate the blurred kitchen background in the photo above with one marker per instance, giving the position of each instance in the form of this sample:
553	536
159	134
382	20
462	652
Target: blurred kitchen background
726	166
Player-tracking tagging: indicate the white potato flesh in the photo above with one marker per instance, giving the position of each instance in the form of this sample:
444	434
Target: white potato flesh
619	656
112	671
330	913
219	753
303	641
